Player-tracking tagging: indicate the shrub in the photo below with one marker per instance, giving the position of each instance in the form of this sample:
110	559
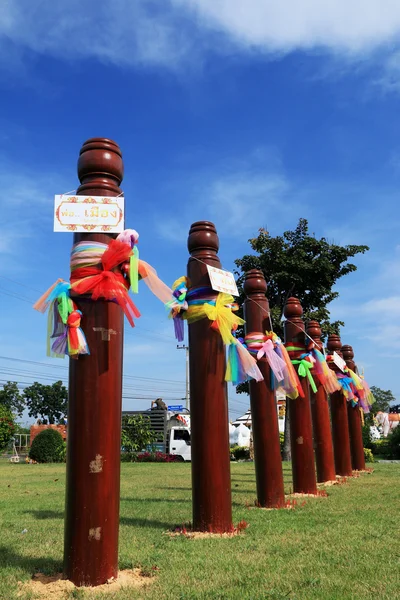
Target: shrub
128	457
369	457
281	441
7	427
393	441
381	448
155	457
48	446
240	452
366	436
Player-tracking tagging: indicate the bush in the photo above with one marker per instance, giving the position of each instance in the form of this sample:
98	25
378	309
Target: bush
381	448
47	447
7	427
281	441
393	441
369	457
148	457
156	457
240	452
366	436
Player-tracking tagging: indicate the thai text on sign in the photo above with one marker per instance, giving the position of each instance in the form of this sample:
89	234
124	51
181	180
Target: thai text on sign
89	213
222	281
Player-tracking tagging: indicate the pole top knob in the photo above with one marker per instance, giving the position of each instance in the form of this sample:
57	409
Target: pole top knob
334	344
203	237
100	167
293	309
254	282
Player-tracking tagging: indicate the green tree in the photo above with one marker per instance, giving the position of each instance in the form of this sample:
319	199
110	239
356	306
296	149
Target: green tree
298	264
49	402
7	427
383	400
11	398
136	433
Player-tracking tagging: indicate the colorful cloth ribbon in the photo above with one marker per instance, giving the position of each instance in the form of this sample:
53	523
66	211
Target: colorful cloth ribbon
204	303
104	271
178	305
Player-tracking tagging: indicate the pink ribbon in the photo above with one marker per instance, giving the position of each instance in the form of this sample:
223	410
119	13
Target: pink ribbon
277	365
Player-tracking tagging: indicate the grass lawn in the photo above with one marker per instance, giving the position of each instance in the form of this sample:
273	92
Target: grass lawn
341	547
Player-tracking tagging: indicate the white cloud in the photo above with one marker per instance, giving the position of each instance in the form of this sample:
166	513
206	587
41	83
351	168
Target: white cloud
241	194
175	32
353	26
237	200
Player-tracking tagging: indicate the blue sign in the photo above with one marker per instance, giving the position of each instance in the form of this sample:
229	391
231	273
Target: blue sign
176	407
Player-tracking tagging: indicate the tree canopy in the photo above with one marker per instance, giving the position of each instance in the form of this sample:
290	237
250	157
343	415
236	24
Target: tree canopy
49	402
298	264
11	398
383	400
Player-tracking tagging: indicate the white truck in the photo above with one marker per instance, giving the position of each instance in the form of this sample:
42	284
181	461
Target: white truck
172	430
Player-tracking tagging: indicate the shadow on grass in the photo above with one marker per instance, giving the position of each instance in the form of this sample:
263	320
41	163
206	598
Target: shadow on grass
147	523
45	514
30	564
134	521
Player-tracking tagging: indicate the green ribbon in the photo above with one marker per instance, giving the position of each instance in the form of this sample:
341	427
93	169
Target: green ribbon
304	370
305	366
134	270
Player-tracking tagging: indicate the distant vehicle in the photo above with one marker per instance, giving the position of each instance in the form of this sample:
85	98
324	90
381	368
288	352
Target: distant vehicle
172	430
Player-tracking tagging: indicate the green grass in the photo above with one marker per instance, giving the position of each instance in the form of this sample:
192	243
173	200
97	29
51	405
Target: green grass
342	547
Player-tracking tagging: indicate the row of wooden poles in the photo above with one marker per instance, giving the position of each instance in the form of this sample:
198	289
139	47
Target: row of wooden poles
95	393
325	441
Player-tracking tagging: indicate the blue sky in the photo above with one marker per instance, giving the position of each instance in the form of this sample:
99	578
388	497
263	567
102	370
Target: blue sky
247	114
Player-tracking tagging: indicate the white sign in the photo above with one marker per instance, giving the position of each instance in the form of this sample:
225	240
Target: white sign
339	362
89	214
222	281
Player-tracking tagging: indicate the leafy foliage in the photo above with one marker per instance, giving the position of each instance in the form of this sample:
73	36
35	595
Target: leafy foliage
383	400
394	443
240	452
48	447
49	402
369	457
298	264
136	433
11	398
7	427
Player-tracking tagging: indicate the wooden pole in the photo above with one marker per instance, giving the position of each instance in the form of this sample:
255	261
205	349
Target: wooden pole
211	482
321	419
264	415
94	408
354	418
340	426
301	438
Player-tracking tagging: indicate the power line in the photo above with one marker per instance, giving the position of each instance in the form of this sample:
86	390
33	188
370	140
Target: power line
53	366
19	283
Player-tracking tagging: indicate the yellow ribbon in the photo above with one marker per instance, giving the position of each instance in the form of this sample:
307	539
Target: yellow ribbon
221	314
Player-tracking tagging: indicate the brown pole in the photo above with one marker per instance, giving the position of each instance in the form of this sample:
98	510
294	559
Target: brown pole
94	409
340	426
211	480
354	418
264	415
321	419
301	438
